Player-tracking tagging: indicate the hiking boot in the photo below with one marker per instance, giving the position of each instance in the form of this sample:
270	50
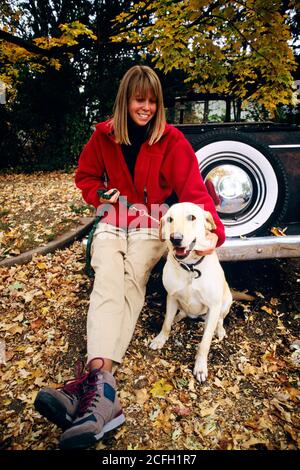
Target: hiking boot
99	411
60	406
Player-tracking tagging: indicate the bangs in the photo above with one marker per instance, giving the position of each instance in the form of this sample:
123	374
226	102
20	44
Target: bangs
140	87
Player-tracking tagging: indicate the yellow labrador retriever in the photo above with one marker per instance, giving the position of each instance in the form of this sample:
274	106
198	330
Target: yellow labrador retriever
195	285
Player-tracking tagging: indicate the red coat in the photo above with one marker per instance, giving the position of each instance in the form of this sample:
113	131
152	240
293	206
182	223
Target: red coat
166	166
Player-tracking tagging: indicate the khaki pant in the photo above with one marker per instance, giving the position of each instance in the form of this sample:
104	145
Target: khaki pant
122	261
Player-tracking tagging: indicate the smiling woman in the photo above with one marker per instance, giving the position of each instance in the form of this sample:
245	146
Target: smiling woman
136	155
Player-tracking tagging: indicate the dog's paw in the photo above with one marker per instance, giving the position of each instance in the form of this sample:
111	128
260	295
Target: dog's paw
158	342
221	333
200	370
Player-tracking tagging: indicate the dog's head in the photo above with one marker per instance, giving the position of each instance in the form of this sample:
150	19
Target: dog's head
184	227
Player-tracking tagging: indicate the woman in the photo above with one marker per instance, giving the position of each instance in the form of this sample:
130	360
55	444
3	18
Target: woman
138	156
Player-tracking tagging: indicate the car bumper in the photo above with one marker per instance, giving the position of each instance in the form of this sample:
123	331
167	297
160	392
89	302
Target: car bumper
239	249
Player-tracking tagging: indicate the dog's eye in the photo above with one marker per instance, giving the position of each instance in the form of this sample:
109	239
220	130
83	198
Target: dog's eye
191	217
169	219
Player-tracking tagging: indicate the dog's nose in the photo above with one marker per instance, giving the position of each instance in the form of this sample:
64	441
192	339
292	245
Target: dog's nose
176	238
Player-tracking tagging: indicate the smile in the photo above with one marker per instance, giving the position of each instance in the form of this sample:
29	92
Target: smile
144	116
182	252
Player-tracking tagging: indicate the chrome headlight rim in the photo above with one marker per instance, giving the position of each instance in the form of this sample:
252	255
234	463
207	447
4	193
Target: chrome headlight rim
249	179
257	180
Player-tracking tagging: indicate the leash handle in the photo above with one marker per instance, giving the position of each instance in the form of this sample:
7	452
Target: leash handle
101	193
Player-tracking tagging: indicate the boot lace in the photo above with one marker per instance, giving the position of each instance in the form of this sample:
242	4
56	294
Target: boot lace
91	392
74	386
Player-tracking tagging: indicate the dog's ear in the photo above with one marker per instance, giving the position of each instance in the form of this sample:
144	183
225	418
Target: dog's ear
209	221
161	230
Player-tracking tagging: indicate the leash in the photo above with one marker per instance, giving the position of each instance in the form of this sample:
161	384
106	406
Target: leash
130	205
101	193
191	267
88	267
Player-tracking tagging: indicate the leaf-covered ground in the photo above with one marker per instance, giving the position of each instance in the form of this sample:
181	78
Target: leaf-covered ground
36	208
251	397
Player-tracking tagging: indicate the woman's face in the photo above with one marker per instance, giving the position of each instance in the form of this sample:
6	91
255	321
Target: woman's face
142	109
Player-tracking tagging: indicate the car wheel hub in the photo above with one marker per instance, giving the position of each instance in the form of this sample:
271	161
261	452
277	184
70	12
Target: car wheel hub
233	187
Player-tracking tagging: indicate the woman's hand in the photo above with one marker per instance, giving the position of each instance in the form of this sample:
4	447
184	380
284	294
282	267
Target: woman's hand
111	200
212	239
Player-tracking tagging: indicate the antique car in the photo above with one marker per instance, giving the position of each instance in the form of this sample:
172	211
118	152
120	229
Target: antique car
252	172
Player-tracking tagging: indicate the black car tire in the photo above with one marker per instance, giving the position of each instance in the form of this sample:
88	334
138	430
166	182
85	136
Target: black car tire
263	167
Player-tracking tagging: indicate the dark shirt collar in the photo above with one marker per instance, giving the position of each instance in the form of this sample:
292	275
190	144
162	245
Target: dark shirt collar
137	133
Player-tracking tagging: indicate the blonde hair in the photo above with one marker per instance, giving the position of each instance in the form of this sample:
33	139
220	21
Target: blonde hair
138	81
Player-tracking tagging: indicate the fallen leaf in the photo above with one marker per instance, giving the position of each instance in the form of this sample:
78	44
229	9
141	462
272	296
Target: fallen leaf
36	324
234	389
163	421
267	309
218	383
42	265
24	373
278	232
285	415
161	388
120	433
176	434
207	411
192	384
141	396
28	296
294	393
19	318
209	427
16	286
250	370
181	411
39	381
293	433
15	329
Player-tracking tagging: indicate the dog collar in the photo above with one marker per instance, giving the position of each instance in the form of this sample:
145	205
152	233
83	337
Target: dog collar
191	267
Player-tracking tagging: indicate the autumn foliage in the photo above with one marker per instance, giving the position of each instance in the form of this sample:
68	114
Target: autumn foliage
37	53
238	48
